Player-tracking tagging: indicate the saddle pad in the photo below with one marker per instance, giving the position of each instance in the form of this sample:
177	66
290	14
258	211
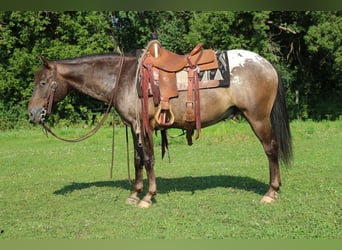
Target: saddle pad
221	75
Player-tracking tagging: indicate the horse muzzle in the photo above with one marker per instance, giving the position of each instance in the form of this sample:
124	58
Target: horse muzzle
37	114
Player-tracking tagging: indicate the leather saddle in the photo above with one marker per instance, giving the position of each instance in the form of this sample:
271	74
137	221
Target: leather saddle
158	70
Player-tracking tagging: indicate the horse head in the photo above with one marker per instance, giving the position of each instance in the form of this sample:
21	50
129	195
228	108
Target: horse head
50	87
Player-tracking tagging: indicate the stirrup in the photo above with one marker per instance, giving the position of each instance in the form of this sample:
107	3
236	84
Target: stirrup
164	117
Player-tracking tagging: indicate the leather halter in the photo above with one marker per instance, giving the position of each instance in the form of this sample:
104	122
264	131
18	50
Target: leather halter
52	90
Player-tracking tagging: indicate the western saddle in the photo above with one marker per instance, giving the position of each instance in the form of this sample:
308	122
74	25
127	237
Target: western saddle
158	71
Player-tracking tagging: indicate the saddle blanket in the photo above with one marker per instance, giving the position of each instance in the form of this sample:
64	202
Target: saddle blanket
219	77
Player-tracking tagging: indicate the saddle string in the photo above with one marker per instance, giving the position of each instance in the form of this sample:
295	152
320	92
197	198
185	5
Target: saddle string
127	157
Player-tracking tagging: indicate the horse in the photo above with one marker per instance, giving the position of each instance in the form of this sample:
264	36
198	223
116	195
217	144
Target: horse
255	91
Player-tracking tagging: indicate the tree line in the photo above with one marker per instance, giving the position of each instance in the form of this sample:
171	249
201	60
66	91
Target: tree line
304	46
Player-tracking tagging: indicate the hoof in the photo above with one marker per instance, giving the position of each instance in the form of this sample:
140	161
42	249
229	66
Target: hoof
132	201
145	204
267	199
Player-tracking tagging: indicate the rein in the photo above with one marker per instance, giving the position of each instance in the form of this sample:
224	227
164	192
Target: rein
105	116
98	126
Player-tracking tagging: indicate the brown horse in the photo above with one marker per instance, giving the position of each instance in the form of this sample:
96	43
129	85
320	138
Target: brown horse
255	90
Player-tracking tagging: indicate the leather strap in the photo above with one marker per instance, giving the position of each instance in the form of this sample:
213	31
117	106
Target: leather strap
196	49
193	98
144	100
52	90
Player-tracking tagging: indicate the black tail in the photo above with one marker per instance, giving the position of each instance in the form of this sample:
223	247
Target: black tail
280	125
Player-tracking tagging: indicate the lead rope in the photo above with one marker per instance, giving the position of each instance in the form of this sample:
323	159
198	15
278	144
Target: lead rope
113	152
127	154
113	121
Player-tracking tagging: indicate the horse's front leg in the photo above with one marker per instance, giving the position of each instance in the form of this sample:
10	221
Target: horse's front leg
146	202
149	160
143	155
134	199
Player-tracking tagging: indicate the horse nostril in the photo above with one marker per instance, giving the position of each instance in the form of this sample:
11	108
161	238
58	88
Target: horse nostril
30	114
37	114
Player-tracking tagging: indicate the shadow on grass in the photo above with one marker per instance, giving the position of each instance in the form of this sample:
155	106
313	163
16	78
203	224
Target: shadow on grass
188	184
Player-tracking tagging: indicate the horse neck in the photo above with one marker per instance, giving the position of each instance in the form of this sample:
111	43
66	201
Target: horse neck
93	76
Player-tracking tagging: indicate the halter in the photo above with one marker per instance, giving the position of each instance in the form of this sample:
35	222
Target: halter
52	89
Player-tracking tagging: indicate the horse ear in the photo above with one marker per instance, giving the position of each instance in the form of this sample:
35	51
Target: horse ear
45	62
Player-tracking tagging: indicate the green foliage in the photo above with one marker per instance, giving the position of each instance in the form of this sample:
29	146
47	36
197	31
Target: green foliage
312	49
215	30
305	47
323	40
173	29
27	35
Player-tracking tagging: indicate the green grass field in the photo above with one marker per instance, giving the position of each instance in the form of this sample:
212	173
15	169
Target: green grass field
211	190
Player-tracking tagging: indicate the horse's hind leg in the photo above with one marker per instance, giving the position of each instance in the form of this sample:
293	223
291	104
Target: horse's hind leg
263	131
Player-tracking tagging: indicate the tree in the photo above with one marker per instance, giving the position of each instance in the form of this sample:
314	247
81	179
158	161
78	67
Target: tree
133	29
27	34
313	52
324	54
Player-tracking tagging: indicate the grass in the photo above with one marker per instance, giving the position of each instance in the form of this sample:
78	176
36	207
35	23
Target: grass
211	190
